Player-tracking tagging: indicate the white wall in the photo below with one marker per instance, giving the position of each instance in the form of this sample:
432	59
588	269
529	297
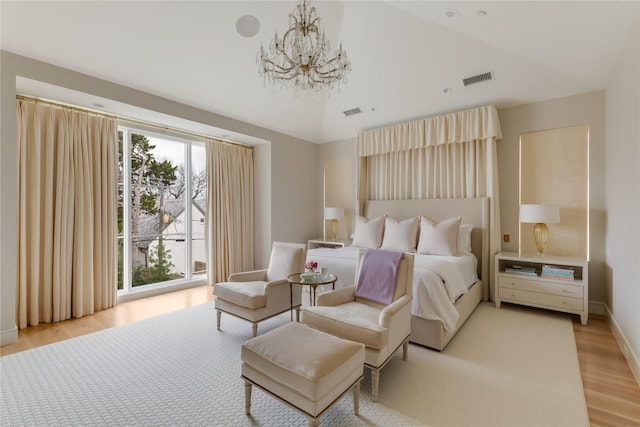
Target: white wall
286	208
622	179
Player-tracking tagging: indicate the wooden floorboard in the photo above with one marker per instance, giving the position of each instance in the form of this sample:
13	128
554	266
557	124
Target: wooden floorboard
611	392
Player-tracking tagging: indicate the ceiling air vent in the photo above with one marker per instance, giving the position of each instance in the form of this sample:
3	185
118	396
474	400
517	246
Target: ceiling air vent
352	112
478	79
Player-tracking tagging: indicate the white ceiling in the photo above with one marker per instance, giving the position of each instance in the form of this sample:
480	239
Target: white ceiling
403	54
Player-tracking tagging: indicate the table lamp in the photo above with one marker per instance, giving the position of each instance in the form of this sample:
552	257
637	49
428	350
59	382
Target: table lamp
334	214
541	215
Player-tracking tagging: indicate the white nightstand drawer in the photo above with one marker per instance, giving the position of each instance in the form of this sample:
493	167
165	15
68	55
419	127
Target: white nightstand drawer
555	288
556	301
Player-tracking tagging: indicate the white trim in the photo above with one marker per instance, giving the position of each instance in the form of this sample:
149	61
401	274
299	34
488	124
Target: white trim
597	307
627	350
9	336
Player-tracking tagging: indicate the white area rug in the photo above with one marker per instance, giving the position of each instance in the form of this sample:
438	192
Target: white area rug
507	367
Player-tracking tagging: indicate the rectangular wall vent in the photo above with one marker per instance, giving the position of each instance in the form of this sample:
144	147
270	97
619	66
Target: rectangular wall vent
478	78
352	112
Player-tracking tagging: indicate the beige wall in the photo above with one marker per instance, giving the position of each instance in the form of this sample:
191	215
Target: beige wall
584	109
286	209
622	163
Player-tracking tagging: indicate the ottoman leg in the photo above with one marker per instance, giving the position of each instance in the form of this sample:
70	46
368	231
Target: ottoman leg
405	350
314	422
247	397
375	379
254	329
356	398
218	316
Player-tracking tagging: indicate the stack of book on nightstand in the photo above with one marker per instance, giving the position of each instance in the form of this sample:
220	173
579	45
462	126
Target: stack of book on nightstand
555	272
519	269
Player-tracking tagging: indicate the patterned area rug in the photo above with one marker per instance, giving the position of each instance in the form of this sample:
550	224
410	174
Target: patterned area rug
507	367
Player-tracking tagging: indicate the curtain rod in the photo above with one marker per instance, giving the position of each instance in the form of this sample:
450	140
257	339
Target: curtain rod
163	128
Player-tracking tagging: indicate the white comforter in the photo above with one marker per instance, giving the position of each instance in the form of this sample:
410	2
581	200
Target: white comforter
437	283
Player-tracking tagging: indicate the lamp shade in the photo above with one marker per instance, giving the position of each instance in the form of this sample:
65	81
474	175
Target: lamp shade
333	213
540	213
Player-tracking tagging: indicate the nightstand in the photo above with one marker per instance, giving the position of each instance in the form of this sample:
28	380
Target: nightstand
327	243
558	283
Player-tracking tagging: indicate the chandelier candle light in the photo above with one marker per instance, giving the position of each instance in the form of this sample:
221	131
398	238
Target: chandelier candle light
540	214
300	59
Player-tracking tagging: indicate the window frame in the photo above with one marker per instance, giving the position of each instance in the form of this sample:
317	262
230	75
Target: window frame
190	278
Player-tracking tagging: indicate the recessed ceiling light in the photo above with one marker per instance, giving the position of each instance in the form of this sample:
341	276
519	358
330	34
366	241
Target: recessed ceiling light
447	90
482	13
97	104
451	13
247	26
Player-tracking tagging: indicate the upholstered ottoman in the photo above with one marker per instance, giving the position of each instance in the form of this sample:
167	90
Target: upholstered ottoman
303	367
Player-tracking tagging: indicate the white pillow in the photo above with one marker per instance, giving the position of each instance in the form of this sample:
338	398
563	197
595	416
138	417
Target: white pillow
464	239
440	238
401	236
368	232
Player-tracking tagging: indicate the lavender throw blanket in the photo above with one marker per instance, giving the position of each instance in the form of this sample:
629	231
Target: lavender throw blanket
378	275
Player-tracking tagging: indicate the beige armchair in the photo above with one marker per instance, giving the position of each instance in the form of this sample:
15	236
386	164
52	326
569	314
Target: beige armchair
260	294
382	328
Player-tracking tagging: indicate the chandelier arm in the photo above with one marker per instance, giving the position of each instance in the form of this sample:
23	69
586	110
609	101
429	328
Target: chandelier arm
301	58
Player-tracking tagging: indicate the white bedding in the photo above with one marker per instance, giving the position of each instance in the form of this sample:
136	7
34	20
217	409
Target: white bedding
438	281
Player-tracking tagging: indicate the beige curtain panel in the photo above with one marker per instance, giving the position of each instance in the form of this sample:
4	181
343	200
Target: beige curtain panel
448	156
229	214
67	247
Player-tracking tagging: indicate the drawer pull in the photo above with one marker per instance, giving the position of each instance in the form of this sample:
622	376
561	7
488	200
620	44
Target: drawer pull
567	292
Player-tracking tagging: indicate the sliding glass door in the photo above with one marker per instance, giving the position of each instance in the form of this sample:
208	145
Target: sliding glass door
162	189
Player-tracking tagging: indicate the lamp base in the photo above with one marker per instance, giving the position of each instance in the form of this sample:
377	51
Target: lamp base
540	232
334	229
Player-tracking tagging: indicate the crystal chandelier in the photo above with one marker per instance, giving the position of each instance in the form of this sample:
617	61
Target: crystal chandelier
300	59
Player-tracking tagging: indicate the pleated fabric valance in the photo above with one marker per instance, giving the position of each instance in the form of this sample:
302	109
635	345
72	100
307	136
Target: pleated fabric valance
470	125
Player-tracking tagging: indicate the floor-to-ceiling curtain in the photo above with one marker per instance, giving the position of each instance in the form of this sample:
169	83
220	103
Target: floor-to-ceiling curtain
447	156
67	222
229	213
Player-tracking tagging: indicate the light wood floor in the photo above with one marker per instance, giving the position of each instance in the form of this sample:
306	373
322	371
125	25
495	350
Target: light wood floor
611	392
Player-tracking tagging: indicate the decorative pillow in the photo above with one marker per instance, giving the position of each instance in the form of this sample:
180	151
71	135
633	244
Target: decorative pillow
401	236
464	239
368	232
440	238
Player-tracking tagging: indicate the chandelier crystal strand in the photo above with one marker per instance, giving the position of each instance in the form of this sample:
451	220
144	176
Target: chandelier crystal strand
300	59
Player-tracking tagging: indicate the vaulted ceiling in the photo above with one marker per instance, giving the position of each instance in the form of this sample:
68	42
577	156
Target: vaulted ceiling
404	55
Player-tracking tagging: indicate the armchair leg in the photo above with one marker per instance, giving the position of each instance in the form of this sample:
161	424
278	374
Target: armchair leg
375	380
405	350
254	329
218	316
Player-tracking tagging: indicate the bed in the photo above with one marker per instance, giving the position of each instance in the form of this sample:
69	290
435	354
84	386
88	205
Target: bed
428	328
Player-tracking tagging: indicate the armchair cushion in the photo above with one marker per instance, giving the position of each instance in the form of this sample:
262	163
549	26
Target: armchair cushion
337	297
245	294
352	321
285	259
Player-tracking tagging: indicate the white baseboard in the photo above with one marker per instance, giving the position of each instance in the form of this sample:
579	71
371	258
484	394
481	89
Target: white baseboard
597	308
9	336
627	351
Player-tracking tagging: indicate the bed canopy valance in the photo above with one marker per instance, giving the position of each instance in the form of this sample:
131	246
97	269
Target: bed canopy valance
447	156
478	124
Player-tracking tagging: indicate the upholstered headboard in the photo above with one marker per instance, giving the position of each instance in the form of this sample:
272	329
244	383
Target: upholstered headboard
472	210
